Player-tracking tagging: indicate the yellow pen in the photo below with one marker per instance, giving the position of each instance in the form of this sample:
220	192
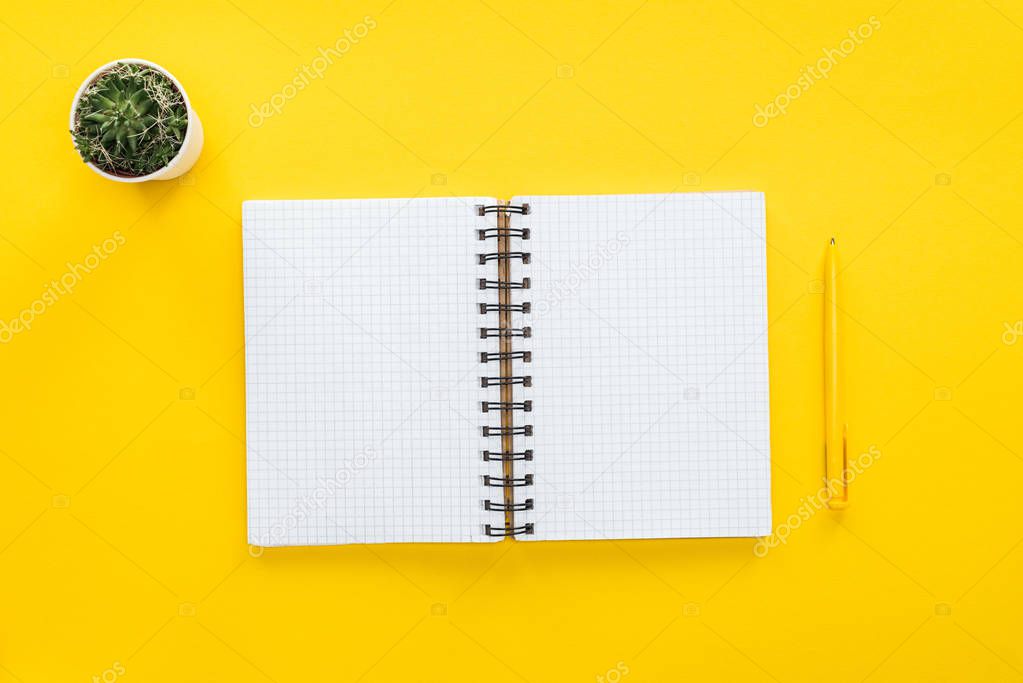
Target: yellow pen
835	462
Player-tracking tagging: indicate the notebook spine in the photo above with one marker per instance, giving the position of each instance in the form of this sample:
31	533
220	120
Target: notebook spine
509	487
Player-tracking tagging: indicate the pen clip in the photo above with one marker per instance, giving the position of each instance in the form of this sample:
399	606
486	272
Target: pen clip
839	499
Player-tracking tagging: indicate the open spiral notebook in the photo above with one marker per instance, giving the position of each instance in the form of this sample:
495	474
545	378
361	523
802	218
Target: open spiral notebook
462	369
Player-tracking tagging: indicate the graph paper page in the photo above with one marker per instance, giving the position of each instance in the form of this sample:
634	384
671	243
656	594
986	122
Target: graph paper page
362	371
650	377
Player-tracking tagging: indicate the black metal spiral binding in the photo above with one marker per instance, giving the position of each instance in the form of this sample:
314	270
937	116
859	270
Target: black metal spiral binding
526	529
508	456
523	429
526	381
488	332
524	406
491	233
524	307
527	504
503	284
524	356
502	258
484	209
498	256
501	482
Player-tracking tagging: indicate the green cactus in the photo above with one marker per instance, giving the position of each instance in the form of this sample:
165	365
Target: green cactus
130	121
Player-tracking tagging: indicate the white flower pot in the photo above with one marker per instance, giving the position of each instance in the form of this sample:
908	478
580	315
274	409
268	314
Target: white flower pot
190	148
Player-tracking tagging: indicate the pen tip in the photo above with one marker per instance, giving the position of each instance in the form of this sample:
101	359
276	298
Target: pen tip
832	240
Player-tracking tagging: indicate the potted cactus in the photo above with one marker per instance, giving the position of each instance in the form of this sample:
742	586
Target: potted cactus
131	121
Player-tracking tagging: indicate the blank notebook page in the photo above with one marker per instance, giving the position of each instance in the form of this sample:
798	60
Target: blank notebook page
650	378
362	365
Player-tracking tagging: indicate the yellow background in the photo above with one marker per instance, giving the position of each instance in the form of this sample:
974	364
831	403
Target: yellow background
122	514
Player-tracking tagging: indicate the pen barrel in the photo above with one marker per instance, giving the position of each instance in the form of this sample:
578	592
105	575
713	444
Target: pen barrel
835	446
